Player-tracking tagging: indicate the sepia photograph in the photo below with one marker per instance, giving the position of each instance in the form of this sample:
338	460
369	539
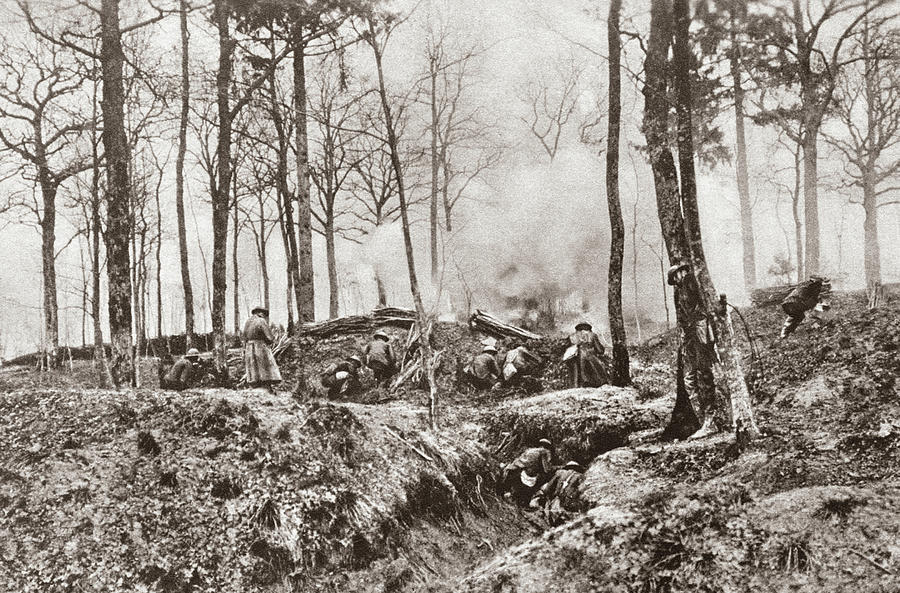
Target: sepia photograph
449	296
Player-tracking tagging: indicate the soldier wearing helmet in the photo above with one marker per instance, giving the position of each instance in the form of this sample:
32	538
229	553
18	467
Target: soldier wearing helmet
805	297
379	356
528	472
185	373
342	378
483	372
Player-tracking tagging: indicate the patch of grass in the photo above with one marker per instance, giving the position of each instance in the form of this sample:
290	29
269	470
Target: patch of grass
838	508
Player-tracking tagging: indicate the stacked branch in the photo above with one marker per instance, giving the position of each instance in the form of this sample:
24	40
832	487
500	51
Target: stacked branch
359	323
487	324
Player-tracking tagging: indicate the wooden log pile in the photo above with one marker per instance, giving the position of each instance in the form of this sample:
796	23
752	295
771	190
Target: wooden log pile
357	324
771	296
488	324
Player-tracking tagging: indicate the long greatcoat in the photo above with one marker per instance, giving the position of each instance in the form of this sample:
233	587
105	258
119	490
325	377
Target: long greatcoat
587	368
259	362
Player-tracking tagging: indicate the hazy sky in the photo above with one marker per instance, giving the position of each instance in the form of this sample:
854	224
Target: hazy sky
547	219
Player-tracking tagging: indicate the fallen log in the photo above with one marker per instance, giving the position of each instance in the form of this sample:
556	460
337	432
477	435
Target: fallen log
358	324
490	325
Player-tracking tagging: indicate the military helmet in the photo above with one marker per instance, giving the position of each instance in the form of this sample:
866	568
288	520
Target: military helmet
192	353
583	325
670	276
545	443
574	465
259	309
489	348
356	359
380	334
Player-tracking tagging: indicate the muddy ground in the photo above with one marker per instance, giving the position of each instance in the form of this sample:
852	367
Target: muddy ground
237	490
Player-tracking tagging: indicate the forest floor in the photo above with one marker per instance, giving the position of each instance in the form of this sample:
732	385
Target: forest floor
238	490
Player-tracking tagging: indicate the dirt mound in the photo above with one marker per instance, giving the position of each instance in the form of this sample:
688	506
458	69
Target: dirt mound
230	491
582	423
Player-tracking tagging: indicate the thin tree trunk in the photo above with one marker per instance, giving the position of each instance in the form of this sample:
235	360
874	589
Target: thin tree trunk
288	270
281	173
743	182
811	200
332	268
220	199
179	181
306	302
105	375
798	223
421	317
263	263
118	225
620	371
435	166
236	304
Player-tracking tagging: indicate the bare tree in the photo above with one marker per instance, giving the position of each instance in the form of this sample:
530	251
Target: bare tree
551	103
41	85
333	112
183	123
376	33
620	371
805	56
870	88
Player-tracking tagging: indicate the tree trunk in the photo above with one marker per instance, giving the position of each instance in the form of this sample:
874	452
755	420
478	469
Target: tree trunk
179	182
105	375
682	234
435	166
220	199
798	223
235	275
811	200
332	268
118	224
48	267
306	302
872	260
379	287
620	371
743	183
159	315
424	325
281	173
263	263
285	239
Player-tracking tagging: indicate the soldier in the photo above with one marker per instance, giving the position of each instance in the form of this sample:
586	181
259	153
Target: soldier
697	351
259	362
560	497
805	297
518	362
483	372
342	378
528	472
185	373
585	358
379	356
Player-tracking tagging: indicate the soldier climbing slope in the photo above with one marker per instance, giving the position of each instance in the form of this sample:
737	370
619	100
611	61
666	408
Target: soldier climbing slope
342	378
805	297
379	356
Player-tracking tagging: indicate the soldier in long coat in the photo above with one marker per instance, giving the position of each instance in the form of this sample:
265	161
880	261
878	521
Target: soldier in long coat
259	362
697	354
586	366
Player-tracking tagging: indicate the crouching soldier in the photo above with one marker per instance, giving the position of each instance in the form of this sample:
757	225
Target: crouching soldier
518	363
185	373
528	472
342	378
805	297
560	497
380	358
585	358
483	372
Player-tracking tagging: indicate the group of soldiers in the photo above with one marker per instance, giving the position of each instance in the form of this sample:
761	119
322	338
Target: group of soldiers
532	481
